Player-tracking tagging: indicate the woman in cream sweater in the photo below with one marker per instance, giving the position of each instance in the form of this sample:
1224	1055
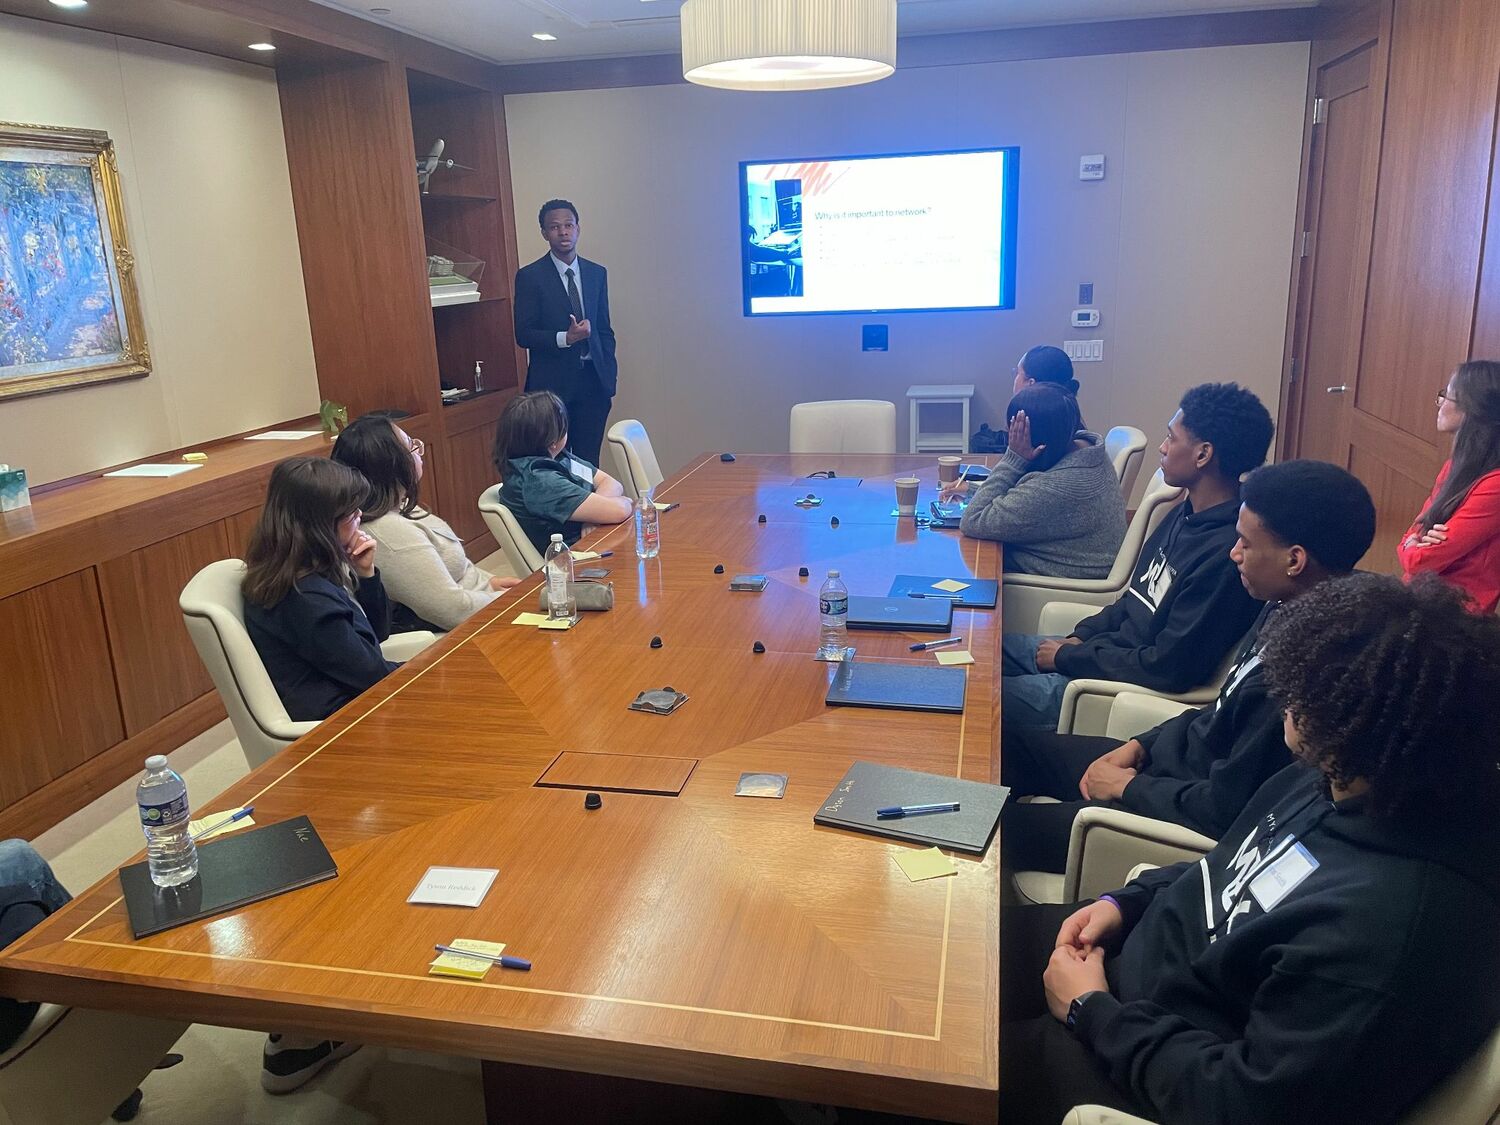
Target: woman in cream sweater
422	560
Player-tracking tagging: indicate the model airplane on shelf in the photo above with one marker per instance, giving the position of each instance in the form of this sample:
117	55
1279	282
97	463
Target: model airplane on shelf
429	164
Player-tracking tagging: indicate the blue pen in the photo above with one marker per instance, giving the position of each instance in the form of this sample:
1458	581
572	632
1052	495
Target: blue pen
241	815
895	812
503	961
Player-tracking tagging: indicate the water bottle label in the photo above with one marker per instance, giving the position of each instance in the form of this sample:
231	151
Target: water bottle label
154	816
833	606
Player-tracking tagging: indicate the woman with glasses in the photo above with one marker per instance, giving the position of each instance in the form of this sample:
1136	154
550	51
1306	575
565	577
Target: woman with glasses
1457	536
422	561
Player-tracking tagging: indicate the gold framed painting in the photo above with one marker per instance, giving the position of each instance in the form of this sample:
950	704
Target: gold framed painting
70	313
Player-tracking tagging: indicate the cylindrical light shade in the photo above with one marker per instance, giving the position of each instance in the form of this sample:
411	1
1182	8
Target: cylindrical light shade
787	44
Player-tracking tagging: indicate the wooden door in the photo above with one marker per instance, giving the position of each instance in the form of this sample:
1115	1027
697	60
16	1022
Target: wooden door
1436	157
1339	206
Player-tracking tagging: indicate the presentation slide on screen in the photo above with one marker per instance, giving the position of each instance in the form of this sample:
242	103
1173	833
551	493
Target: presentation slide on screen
879	233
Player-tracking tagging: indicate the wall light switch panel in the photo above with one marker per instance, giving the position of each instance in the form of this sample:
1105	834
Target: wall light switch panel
1084	351
1091	167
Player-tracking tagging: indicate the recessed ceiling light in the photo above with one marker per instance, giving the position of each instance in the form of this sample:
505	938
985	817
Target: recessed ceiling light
71	3
544	37
263	46
380	11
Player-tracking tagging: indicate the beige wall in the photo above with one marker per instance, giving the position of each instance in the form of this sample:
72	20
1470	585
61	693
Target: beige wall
1187	240
209	212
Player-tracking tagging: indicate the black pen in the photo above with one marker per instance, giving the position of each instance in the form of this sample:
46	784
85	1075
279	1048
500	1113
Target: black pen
945	597
937	644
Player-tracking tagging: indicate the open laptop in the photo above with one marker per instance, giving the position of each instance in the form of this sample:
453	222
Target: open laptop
901	614
901	687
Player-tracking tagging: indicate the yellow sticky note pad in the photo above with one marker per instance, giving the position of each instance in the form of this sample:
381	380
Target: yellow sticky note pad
195	456
586	556
559	624
216	824
470	968
961	656
530	619
928	863
949	586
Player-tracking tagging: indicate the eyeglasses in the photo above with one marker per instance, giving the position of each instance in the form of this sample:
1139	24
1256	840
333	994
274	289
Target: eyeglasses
418	446
1442	396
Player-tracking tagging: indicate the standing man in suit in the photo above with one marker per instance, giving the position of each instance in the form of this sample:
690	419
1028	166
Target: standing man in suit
562	320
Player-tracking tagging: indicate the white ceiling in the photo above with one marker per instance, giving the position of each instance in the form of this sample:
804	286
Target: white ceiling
501	30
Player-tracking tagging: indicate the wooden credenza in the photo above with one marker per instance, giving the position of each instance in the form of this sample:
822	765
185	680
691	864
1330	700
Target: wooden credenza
97	668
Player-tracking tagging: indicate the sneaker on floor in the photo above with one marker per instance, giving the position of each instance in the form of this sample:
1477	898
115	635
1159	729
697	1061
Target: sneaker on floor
287	1063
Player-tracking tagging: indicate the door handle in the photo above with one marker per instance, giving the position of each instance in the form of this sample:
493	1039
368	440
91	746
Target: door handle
1340	389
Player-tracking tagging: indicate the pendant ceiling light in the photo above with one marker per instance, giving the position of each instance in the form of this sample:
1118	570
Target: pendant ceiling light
787	44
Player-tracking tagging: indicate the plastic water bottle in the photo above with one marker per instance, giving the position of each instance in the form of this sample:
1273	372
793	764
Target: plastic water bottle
647	527
833	607
163	802
559	566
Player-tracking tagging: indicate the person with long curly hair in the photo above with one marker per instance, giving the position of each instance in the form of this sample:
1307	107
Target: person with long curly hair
1334	957
1457	536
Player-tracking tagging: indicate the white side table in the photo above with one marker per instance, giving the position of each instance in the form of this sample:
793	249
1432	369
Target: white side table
923	441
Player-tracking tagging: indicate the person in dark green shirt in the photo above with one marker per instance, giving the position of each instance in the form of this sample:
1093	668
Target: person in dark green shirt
547	488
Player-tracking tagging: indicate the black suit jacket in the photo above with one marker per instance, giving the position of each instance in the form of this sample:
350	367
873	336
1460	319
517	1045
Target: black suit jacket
542	311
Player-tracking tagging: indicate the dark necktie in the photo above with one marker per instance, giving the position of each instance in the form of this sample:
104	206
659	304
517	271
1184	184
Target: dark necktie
577	302
573	298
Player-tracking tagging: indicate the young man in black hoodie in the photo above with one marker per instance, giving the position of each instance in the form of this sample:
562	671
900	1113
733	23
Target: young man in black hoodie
1300	523
1336	955
1185	606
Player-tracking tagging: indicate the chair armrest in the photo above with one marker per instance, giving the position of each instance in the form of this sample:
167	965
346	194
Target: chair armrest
1107	844
1135	712
1058	618
1087	704
1101	1115
401	647
1138	870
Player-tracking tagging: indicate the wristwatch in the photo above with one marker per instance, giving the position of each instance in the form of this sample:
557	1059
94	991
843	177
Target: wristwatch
1076	1008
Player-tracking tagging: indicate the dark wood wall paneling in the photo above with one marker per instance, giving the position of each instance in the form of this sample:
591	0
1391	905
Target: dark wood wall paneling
1431	281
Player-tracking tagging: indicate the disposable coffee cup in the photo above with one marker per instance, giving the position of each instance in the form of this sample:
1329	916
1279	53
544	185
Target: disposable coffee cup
906	495
948	469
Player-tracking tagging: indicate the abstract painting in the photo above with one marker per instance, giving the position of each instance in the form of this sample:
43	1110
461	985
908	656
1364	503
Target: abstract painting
69	309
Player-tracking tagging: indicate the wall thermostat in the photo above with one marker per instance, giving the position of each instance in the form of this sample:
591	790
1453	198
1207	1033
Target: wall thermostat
1091	167
1085	318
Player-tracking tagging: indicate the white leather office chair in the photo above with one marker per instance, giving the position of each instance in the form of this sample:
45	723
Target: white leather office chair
1024	595
1469	1096
1126	447
73	1066
639	471
214	612
523	558
851	425
1106	844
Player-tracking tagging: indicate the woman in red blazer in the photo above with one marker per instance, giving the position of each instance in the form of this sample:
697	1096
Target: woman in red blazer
1457	536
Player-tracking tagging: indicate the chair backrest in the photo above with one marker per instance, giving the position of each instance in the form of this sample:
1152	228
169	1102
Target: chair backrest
850	425
517	549
1126	447
632	445
214	612
1468	1096
1159	499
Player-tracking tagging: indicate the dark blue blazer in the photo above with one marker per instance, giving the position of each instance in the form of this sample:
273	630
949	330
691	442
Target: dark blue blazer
542	311
320	648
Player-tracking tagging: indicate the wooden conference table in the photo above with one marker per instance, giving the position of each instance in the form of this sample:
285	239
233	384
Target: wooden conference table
698	939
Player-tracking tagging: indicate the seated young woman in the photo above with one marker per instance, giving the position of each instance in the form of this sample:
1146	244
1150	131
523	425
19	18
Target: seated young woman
1054	500
1457	536
423	567
546	487
314	605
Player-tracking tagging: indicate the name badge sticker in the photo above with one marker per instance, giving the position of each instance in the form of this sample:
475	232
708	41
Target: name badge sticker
1281	878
